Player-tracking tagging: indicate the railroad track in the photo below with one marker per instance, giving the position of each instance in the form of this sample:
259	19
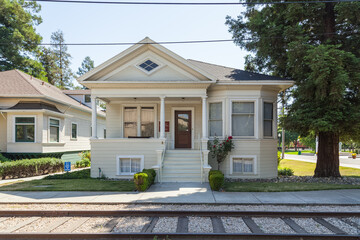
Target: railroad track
179	225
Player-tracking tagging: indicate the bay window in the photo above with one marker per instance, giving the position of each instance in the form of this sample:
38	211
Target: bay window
268	119
242	119
54	128
215	119
73	130
24	129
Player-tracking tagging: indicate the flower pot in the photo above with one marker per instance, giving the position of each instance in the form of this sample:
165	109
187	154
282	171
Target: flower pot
354	157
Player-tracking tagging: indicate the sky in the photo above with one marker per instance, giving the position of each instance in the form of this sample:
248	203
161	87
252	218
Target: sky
132	23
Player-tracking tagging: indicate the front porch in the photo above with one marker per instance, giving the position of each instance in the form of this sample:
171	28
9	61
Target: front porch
142	132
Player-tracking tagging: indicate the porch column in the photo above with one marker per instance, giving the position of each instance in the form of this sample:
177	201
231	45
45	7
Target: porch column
204	118
93	117
162	117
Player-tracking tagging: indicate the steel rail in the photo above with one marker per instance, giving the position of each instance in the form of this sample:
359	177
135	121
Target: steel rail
174	236
161	213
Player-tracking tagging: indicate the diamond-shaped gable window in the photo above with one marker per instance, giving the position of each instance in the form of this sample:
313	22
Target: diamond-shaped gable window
148	65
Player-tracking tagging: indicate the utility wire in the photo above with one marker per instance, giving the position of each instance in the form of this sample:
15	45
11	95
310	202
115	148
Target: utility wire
190	3
178	42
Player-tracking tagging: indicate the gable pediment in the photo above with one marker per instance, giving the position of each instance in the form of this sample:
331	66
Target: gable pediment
147	62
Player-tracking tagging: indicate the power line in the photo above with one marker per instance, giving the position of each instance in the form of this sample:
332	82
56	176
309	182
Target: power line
190	3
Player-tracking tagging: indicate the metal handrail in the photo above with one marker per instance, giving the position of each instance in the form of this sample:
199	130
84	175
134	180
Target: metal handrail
162	162
201	160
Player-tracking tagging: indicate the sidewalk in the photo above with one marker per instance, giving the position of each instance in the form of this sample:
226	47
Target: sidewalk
186	193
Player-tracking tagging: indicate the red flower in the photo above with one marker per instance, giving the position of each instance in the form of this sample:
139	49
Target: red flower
230	137
227	140
214	146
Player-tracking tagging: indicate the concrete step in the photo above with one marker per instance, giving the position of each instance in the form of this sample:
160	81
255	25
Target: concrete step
181	179
185	160
180	168
179	172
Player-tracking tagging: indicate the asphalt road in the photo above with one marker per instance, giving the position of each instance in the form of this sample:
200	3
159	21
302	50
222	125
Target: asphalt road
345	161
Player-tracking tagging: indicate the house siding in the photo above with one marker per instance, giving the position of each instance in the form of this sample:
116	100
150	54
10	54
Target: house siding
3	132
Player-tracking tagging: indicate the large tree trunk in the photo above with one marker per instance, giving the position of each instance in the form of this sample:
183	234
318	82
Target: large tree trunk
327	164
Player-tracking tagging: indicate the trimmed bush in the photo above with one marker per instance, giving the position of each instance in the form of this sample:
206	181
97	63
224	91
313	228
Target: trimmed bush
85	160
285	172
141	181
216	181
211	172
30	167
151	173
3	159
279	157
82	174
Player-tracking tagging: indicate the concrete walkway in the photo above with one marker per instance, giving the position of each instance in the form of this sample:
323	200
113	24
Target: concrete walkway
345	161
186	193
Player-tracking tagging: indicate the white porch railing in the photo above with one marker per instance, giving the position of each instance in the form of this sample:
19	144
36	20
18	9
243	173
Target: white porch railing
162	162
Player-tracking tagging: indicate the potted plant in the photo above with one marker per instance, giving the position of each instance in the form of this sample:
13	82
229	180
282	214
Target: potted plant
219	149
353	155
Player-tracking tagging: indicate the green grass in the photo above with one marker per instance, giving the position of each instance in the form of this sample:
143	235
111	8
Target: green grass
282	187
307	168
71	185
293	152
72	181
300	169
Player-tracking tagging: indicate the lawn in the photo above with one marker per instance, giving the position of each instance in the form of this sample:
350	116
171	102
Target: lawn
74	181
293	152
300	169
307	168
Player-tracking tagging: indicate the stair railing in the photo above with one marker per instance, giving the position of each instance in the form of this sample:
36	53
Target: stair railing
201	159
162	162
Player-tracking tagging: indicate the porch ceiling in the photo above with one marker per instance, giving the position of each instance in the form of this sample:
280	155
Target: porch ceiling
150	99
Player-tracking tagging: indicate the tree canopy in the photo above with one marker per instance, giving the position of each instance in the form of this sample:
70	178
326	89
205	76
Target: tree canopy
86	65
316	45
19	48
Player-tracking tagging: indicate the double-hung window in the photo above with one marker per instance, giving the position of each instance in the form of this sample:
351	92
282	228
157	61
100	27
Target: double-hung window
242	122
54	126
268	119
129	164
87	98
24	129
244	165
215	119
139	121
74	131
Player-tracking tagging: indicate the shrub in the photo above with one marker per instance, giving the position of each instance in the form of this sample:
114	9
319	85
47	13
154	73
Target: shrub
285	172
279	157
151	173
3	159
30	167
211	172
141	181
83	163
82	174
216	181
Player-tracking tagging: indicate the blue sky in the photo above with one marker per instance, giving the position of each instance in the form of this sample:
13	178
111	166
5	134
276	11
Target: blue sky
131	23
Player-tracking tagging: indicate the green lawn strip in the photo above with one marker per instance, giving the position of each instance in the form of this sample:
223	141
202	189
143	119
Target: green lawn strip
71	185
282	186
297	152
307	168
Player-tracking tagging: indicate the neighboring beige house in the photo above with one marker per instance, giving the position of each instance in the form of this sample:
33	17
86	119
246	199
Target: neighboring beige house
163	109
38	119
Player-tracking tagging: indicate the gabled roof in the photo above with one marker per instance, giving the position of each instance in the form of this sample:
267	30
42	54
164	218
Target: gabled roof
35	106
233	74
15	83
149	44
77	92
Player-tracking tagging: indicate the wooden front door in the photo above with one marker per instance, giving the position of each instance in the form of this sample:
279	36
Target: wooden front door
182	129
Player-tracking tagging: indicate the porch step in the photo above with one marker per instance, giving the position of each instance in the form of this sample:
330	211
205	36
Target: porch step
181	166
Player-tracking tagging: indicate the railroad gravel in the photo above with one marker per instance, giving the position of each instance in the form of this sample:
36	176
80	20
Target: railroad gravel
200	225
166	224
273	225
312	226
94	225
355	220
342	225
11	222
40	225
131	224
234	225
68	226
195	207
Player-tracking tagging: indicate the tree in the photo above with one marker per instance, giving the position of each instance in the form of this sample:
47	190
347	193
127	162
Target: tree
19	47
316	45
63	73
48	60
309	141
86	65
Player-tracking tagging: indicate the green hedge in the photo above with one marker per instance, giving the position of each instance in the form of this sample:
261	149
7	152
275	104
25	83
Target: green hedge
3	158
85	160
151	173
30	167
216	179
285	171
141	181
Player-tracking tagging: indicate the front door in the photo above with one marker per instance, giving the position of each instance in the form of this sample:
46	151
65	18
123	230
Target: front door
182	129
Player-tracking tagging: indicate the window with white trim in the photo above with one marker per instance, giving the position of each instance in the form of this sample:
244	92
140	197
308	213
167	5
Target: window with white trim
268	119
242	119
24	129
139	121
54	128
73	130
243	165
129	165
87	98
215	119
